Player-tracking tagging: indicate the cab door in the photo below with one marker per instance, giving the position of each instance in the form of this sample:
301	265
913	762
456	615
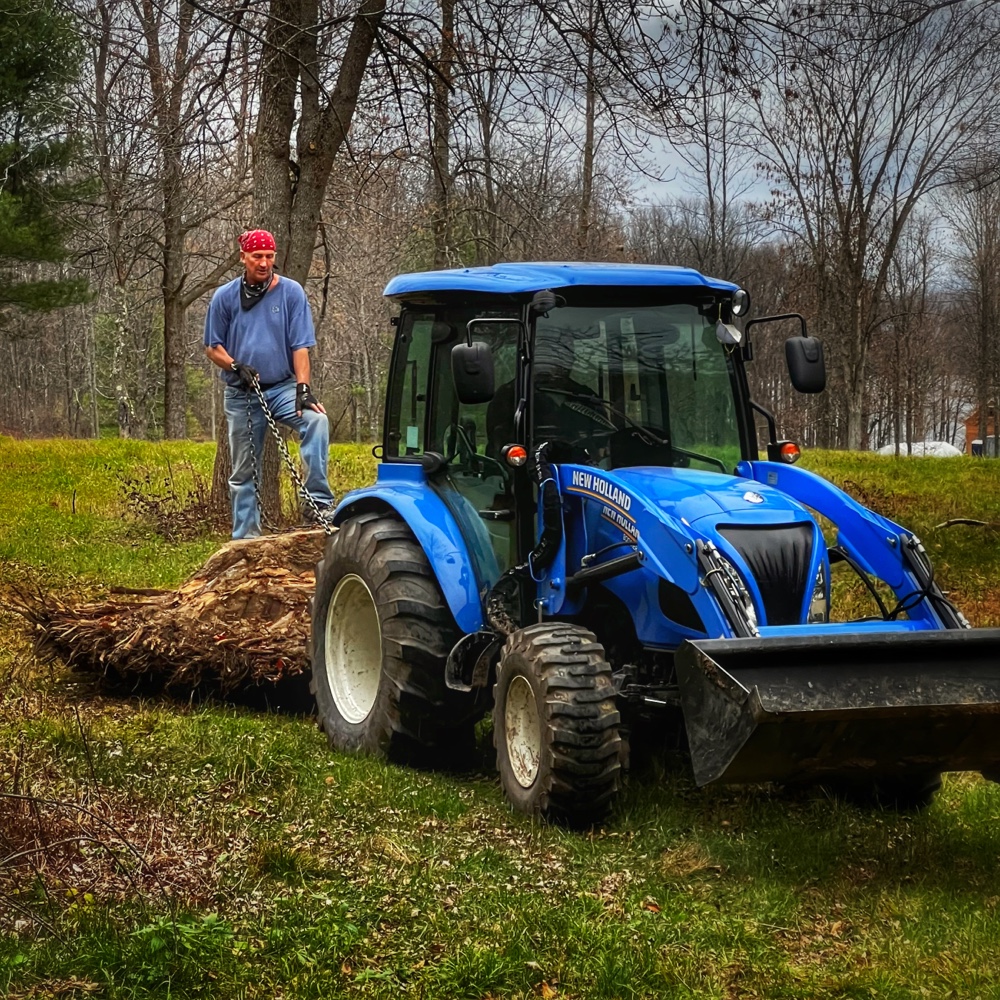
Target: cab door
458	444
475	480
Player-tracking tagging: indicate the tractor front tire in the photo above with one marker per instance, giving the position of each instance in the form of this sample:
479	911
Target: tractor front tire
555	724
381	632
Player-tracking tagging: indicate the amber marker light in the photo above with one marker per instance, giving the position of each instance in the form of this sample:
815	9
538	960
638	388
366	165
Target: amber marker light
790	452
515	455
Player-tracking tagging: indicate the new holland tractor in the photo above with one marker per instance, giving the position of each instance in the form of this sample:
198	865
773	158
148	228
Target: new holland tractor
572	527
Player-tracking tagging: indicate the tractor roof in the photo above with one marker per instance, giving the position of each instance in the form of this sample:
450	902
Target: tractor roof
515	279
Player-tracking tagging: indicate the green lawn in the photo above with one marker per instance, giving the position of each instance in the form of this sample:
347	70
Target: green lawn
215	851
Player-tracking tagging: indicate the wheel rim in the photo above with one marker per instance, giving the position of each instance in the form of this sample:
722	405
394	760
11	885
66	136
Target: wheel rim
353	661
523	733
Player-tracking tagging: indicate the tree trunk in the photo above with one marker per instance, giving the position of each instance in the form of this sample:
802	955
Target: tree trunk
174	355
221	469
288	194
441	141
272	157
167	87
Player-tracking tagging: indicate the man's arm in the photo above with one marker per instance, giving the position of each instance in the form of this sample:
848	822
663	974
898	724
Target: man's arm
218	355
300	364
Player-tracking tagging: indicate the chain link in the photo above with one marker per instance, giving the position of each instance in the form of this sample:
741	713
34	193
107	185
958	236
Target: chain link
321	520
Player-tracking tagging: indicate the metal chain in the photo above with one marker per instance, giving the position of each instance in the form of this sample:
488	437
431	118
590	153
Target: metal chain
283	451
256	479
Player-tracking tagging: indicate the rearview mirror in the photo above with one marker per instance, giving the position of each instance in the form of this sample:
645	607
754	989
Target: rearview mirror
804	356
472	372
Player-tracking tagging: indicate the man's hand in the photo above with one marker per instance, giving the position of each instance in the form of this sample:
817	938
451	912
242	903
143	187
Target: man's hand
249	377
304	397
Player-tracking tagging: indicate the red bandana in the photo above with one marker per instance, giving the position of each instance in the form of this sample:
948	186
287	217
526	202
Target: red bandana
256	239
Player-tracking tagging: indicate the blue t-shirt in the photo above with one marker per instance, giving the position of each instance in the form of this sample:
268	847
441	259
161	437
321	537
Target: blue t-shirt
264	336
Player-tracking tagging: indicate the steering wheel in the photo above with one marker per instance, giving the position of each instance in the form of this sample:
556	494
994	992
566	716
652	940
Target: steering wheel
462	447
579	420
592	410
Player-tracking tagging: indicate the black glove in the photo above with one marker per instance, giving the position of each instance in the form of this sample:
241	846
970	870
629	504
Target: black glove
304	397
249	377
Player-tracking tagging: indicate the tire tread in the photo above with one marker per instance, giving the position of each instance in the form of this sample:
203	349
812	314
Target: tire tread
418	632
580	721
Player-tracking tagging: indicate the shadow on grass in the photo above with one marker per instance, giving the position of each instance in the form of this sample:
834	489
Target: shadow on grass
806	837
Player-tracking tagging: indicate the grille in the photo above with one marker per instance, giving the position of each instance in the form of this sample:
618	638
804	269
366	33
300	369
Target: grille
778	556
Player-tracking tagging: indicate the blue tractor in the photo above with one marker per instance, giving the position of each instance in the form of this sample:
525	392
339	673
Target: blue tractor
572	527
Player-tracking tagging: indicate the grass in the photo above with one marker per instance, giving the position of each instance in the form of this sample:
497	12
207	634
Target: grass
63	512
213	851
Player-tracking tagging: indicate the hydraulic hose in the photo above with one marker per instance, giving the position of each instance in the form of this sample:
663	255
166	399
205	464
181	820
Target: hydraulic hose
541	556
501	611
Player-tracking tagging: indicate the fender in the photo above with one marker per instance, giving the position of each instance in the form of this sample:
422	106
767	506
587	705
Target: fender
402	487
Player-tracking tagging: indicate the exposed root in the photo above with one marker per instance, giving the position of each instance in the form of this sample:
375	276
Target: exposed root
242	620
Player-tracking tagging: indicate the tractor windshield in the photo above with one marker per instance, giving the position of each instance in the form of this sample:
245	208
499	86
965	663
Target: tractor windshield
647	385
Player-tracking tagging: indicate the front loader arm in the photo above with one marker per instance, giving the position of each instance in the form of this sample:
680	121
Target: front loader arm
875	543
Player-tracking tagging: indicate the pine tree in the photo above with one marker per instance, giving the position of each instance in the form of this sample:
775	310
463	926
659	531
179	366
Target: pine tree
40	58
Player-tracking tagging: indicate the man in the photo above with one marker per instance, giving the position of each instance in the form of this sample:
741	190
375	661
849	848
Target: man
259	330
565	411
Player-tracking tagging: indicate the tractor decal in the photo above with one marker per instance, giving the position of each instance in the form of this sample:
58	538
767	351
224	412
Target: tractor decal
624	524
590	485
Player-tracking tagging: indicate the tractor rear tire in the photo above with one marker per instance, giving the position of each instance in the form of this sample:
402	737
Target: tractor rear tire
381	632
555	724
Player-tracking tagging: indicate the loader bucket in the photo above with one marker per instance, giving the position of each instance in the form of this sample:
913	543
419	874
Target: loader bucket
812	707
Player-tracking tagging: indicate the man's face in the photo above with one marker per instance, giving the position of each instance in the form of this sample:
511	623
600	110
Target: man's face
259	264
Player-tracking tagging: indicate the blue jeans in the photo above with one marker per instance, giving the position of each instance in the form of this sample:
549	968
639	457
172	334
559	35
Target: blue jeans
312	428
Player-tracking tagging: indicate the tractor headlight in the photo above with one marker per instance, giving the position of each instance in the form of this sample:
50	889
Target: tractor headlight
724	580
819	603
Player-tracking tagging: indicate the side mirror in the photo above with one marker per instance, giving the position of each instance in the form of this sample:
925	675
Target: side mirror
472	371
804	356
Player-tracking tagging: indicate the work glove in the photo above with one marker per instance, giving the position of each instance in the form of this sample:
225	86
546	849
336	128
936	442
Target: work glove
304	397
248	376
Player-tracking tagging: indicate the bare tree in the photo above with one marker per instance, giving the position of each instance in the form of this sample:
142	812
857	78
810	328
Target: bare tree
860	112
906	348
973	211
366	219
298	93
185	90
162	129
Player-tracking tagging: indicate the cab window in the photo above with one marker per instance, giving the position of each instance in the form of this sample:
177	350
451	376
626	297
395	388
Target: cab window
407	418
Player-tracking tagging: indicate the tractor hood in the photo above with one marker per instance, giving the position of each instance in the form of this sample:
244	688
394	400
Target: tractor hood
670	515
692	494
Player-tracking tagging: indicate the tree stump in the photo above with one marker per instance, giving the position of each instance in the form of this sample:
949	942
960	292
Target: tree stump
239	622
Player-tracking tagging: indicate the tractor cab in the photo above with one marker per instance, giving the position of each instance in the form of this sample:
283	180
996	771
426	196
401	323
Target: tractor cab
609	377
